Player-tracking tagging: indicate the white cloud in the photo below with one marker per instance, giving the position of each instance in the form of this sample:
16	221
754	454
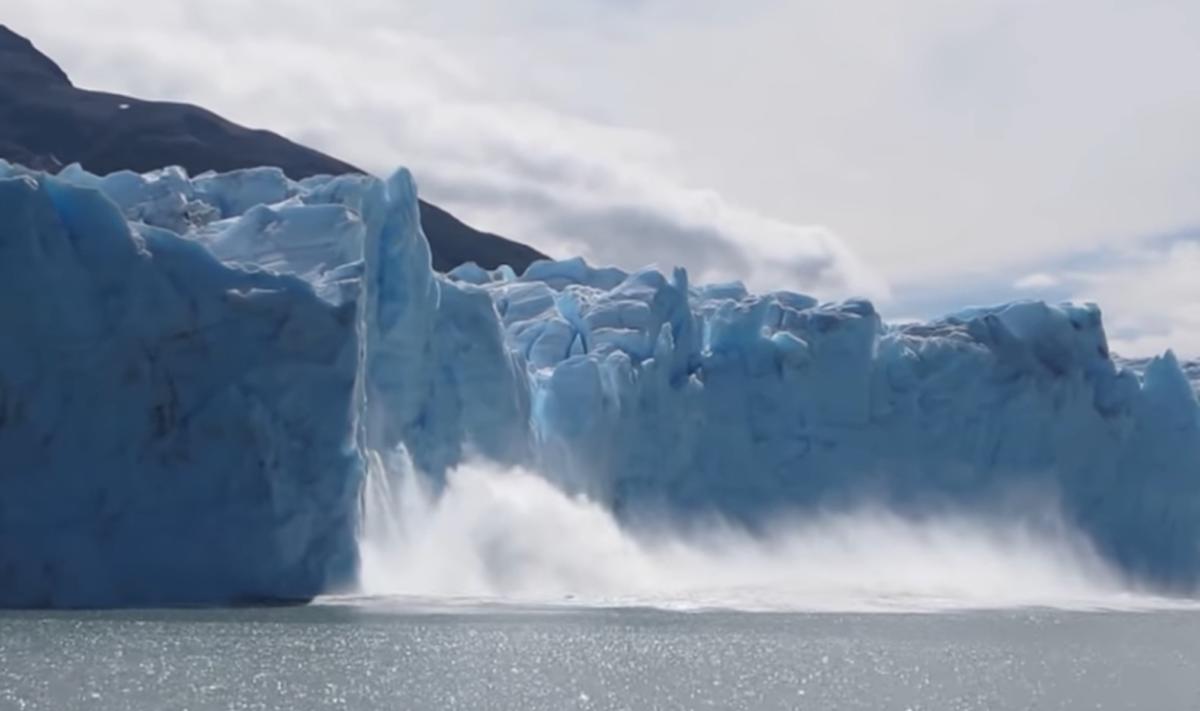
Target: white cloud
938	137
1150	299
349	82
1037	280
947	142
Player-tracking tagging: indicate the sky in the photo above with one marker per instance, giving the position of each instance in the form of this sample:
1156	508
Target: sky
929	154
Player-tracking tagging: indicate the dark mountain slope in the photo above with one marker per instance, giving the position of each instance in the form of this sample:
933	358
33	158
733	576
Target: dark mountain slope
46	122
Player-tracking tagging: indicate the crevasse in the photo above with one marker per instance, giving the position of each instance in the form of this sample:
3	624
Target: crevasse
195	373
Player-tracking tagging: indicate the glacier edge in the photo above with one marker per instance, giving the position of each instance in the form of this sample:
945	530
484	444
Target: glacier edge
195	372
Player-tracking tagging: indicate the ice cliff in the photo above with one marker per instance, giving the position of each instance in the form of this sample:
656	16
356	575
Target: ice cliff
197	373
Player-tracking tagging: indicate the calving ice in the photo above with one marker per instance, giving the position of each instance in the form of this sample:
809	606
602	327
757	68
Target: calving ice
200	377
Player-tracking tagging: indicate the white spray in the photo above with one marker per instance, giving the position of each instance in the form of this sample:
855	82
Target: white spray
511	536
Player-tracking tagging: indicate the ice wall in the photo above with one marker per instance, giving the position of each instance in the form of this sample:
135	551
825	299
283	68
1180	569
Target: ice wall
652	394
318	338
172	429
192	372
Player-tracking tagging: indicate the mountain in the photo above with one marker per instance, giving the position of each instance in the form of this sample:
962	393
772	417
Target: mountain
47	122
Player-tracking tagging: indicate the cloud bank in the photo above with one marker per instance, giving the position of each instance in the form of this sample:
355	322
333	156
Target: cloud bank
952	145
352	81
1150	297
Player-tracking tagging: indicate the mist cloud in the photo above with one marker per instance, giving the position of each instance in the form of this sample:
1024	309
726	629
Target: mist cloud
509	535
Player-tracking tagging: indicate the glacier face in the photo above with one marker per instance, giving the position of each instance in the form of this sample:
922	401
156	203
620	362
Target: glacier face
650	393
196	372
168	424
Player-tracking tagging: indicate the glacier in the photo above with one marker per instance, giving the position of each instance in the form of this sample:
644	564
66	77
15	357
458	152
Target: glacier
200	375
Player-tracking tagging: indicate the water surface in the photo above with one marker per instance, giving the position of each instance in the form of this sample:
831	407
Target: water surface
381	655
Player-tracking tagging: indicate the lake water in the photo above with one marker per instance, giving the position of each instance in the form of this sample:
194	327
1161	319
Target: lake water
395	655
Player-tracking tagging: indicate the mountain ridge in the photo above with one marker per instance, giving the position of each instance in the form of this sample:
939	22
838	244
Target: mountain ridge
47	122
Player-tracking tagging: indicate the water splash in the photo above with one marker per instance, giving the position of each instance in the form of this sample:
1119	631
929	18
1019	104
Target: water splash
511	536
